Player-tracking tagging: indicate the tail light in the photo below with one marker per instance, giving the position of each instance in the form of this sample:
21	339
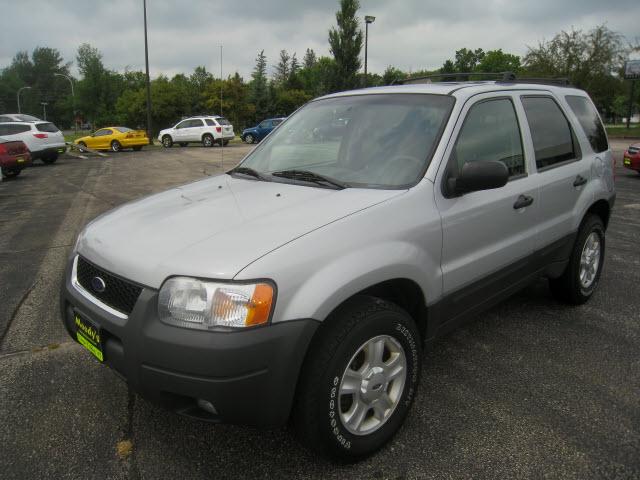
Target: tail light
218	129
3	149
129	135
41	135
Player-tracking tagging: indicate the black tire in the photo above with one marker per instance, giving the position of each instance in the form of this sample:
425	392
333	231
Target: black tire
183	144
167	141
82	144
319	404
249	138
116	146
50	158
137	149
225	142
568	288
207	140
10	173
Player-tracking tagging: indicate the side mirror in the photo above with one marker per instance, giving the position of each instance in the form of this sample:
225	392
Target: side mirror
477	176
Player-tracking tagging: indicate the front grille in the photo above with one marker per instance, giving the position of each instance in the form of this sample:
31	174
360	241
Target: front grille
119	294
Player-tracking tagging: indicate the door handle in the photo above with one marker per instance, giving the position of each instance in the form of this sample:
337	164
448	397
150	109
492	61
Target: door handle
523	201
579	181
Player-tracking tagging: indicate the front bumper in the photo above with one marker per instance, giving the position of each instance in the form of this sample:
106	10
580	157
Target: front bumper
249	376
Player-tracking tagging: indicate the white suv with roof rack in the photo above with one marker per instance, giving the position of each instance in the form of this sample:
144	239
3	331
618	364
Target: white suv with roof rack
43	139
207	130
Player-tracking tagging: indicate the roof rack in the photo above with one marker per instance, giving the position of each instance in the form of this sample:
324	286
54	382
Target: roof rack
501	77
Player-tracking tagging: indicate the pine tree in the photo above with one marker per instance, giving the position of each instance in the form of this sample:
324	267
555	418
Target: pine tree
282	69
345	43
259	93
309	59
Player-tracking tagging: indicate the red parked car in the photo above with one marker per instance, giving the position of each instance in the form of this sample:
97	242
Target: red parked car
14	156
631	157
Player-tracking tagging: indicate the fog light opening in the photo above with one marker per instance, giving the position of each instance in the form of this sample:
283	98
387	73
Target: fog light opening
207	406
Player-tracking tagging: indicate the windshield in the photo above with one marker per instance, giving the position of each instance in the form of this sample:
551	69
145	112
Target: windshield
376	141
123	129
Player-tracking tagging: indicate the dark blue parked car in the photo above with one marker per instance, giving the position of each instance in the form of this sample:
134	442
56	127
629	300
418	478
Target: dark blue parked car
257	133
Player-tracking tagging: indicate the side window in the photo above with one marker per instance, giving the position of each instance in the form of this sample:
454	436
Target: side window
264	124
550	131
589	121
210	122
16	129
277	122
196	123
490	133
102	133
183	124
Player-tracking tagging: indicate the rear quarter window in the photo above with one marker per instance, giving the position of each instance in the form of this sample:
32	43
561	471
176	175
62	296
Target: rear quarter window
210	122
223	121
589	121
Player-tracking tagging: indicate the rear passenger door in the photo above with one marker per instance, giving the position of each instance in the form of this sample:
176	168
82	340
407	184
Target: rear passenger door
562	169
488	236
195	130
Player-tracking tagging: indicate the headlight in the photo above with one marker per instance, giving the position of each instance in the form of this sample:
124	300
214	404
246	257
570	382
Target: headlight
192	303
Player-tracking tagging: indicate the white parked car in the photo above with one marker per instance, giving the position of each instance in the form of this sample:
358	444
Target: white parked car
43	139
18	117
205	129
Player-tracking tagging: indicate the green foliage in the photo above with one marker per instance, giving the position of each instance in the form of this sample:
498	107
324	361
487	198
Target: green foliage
345	44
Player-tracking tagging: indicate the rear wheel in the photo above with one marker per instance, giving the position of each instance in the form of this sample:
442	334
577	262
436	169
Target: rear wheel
137	149
167	142
359	380
115	146
580	278
225	142
207	140
10	172
50	158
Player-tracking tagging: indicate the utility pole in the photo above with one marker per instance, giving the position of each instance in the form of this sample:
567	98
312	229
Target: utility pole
367	20
73	101
630	108
222	126
18	96
44	109
146	62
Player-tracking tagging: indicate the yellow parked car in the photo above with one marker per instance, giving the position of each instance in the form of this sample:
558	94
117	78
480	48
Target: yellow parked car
114	139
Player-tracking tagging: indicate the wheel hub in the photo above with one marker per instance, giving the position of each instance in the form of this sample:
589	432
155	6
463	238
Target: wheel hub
590	260
372	385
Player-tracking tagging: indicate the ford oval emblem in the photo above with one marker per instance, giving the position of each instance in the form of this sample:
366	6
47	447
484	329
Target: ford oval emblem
98	285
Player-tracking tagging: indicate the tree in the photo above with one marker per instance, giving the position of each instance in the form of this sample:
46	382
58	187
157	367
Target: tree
345	44
282	68
590	60
259	94
498	61
309	59
392	74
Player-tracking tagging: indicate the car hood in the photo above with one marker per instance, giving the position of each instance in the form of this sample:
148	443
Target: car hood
252	129
213	228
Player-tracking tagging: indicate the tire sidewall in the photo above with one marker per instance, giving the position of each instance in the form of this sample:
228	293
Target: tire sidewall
167	142
208	141
249	139
335	436
593	224
115	146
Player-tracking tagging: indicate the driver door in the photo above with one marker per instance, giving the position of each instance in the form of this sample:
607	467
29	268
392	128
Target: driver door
488	235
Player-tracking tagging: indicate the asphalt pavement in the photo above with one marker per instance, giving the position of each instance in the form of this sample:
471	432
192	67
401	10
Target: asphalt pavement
531	389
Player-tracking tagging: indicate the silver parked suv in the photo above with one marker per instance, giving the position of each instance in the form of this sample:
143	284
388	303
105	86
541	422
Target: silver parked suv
304	283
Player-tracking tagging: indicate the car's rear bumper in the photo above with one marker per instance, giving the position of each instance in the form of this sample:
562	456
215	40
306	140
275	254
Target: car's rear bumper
15	162
631	161
248	376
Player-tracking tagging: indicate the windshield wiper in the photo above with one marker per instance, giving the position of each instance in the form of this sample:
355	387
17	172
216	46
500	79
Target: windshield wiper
311	177
249	171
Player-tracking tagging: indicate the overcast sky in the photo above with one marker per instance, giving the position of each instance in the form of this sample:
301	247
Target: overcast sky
409	34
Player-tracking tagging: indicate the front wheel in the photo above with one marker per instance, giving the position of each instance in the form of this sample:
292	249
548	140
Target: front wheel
167	142
359	381
580	279
10	172
249	138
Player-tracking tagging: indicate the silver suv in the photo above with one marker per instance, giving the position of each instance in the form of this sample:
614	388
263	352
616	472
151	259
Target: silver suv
305	283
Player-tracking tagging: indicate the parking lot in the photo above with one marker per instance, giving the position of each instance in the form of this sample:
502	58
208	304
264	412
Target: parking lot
531	389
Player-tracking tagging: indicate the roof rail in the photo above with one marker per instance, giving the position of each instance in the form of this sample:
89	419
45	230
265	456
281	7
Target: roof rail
455	77
500	77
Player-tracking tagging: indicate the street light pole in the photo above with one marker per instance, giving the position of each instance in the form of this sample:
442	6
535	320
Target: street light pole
367	20
73	100
18	96
146	61
44	109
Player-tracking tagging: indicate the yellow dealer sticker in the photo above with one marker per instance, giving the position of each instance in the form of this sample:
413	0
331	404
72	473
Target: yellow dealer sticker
88	336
